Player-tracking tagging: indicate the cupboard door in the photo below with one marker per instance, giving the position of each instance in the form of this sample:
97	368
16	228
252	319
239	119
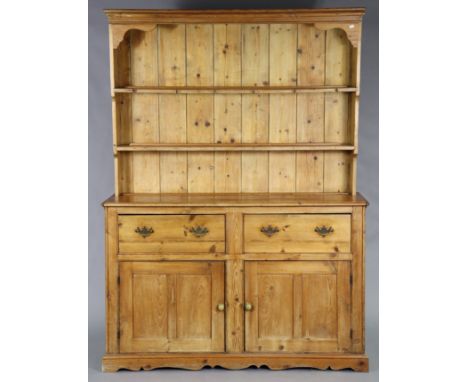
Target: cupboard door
171	306
298	306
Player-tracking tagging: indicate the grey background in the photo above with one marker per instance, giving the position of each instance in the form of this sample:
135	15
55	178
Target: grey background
100	176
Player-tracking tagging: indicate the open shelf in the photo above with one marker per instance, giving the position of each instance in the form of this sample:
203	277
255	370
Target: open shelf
295	88
236	147
234	89
235	199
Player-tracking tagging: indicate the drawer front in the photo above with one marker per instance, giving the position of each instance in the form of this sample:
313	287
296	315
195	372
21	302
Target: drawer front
171	233
297	233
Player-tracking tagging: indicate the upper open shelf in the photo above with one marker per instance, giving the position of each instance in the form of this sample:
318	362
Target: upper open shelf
234	89
235	57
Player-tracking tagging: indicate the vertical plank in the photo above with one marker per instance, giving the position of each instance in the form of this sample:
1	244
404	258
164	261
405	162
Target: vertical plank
251	296
112	287
144	58
337	69
227	172
172	307
200	169
150	306
282	166
200	166
255	118
120	63
309	172
200	118
218	318
145	172
172	72
235	310
125	172
200	172
227	54
255	172
310	108
255	58
310	55
282	118
199	54
145	118
125	316
336	118
227	118
124	120
297	306
282	172
171	64
344	305
255	108
357	287
338	53
194	299
227	130
234	232
353	117
173	166
320	306
283	71
145	129
227	72
337	165
336	172
116	140
113	64
234	284
283	54
310	118
173	119
337	73
275	307
122	107
353	175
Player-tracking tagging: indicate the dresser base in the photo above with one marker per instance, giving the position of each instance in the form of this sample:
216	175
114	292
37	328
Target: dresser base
144	361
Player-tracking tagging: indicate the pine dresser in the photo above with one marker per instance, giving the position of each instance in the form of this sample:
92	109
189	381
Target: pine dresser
235	237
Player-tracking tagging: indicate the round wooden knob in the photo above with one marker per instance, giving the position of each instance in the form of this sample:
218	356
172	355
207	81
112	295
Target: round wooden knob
248	307
220	307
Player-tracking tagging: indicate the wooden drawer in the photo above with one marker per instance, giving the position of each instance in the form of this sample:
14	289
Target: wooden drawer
171	233
297	233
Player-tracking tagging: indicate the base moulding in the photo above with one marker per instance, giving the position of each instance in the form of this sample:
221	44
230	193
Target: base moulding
144	361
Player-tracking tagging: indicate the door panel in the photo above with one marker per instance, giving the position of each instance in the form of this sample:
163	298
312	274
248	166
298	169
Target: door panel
171	307
298	306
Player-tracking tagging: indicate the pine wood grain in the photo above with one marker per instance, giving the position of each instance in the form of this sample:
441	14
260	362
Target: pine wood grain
172	233
171	307
298	306
235	141
296	233
274	361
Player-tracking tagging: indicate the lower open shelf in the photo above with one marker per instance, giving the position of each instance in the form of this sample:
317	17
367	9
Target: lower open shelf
224	147
234	361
